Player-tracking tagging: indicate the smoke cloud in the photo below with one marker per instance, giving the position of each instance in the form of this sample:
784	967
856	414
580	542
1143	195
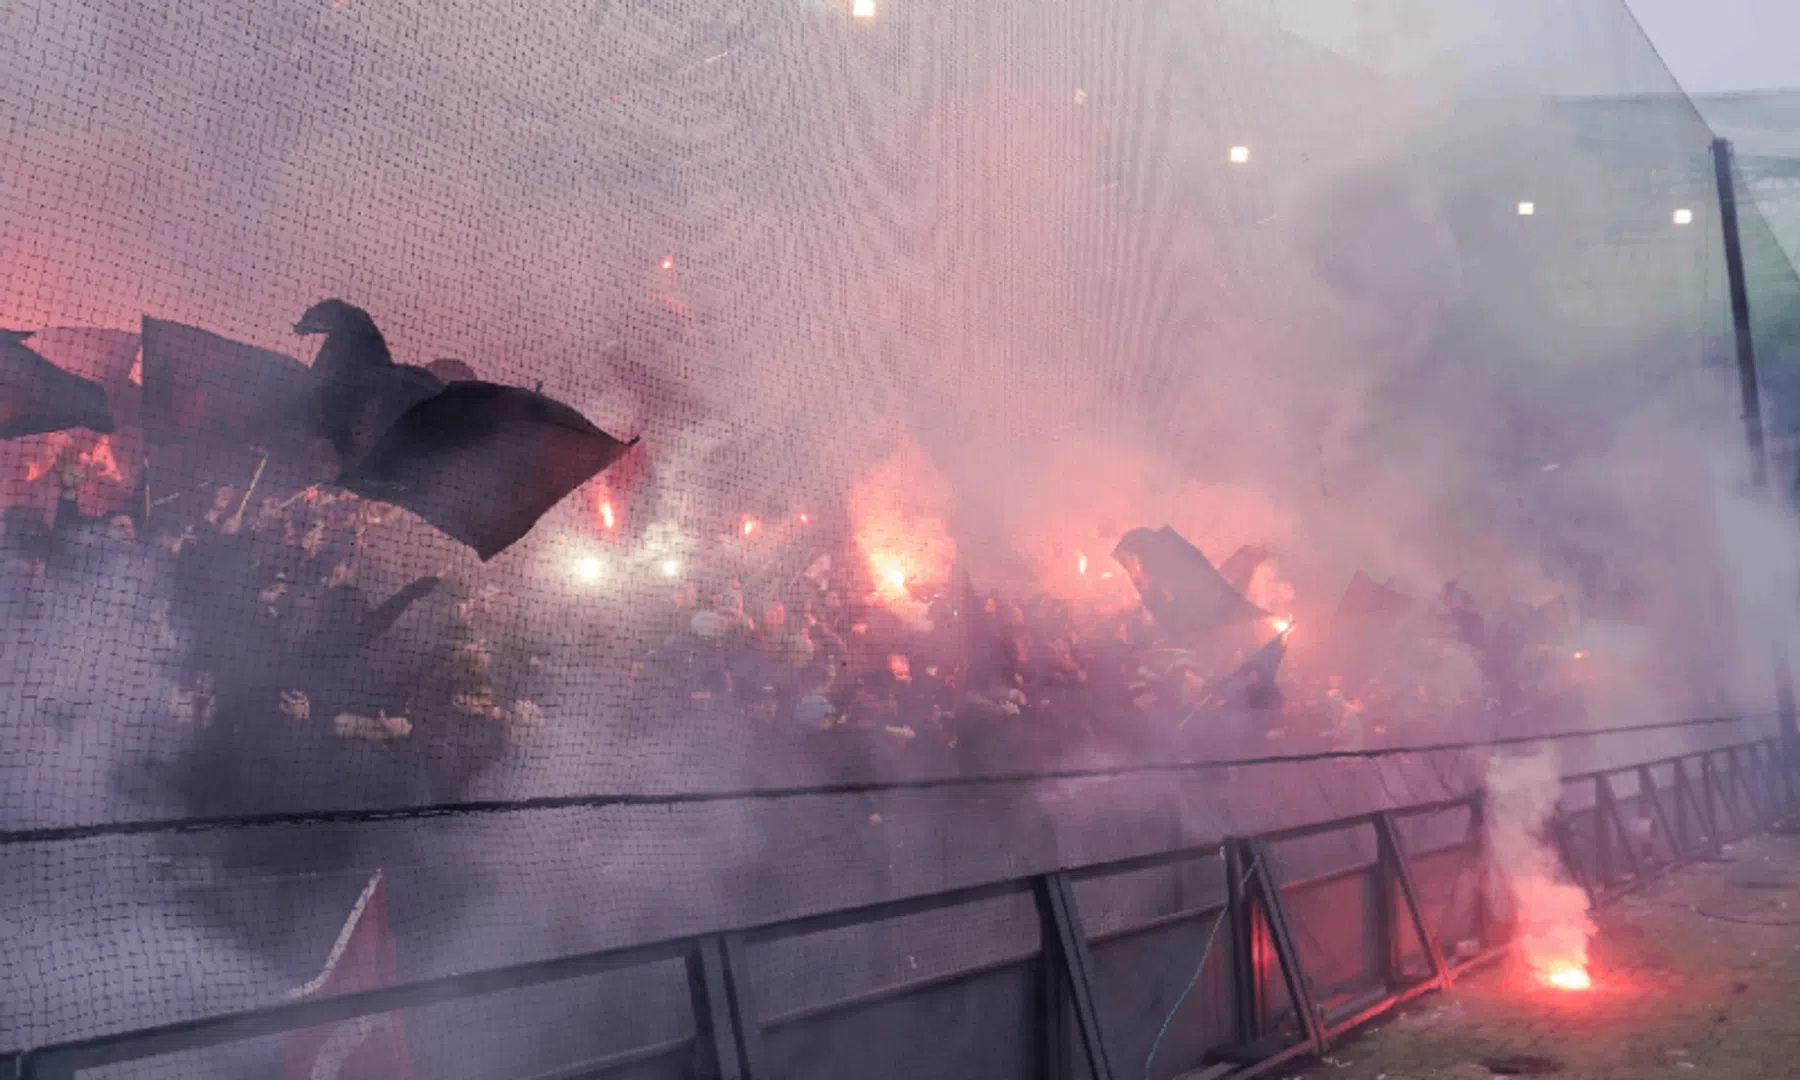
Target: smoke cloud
984	284
1551	928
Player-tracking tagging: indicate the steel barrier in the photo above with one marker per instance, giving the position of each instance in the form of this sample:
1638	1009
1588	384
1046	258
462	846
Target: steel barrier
1731	792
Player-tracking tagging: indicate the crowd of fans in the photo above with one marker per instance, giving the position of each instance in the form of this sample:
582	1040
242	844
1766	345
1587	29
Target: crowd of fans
277	650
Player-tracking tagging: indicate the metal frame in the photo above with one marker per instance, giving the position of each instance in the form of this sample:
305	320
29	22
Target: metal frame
1763	789
729	1040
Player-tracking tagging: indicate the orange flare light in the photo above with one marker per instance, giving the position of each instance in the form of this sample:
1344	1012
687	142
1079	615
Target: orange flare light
1282	626
1568	978
607	518
749	526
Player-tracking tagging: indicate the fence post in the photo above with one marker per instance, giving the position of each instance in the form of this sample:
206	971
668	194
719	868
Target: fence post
1762	800
1715	797
1603	843
1268	893
1682	795
1612	820
1394	854
1386	930
1066	948
1246	983
42	1066
725	1019
1564	839
1647	789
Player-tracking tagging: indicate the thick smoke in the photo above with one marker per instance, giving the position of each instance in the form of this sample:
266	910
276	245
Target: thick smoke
1549	915
985	312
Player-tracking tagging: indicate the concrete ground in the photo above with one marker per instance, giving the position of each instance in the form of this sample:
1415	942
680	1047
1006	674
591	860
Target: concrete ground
1695	978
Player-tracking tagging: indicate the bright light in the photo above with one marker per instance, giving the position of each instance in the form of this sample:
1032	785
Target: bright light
1081	564
749	526
1282	626
890	573
863	9
1526	209
588	569
670	568
1569	978
1240	155
805	520
668	262
1580	655
607	518
1684	216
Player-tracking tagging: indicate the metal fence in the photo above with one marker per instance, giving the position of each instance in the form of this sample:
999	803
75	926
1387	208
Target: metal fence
1278	1003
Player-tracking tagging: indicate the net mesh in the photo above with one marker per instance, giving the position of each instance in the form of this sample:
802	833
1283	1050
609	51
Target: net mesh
1409	321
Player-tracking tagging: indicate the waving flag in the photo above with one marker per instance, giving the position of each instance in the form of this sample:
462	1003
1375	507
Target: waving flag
368	1047
483	462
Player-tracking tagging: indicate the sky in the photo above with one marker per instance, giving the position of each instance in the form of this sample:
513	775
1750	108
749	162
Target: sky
1716	46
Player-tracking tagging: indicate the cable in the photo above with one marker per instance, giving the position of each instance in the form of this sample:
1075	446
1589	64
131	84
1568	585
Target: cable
1205	954
1741	921
156	826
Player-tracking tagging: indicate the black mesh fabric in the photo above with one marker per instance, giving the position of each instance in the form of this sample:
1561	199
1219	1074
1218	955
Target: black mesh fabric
746	460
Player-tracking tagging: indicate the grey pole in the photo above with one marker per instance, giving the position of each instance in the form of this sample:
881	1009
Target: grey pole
1753	426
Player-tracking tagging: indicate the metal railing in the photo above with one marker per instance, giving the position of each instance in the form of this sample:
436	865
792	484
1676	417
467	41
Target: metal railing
1730	792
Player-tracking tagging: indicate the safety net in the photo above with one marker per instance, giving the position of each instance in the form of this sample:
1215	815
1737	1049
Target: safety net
567	474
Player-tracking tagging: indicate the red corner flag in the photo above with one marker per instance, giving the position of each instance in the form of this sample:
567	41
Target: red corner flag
368	1047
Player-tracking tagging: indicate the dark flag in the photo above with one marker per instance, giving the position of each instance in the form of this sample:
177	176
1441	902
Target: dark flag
116	475
1365	597
356	390
36	396
450	371
1252	683
1241	567
483	462
344	621
1181	589
214	408
105	356
1257	674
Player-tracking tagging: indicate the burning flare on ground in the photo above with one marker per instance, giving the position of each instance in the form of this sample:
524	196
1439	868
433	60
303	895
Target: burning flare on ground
1549	915
1569	978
